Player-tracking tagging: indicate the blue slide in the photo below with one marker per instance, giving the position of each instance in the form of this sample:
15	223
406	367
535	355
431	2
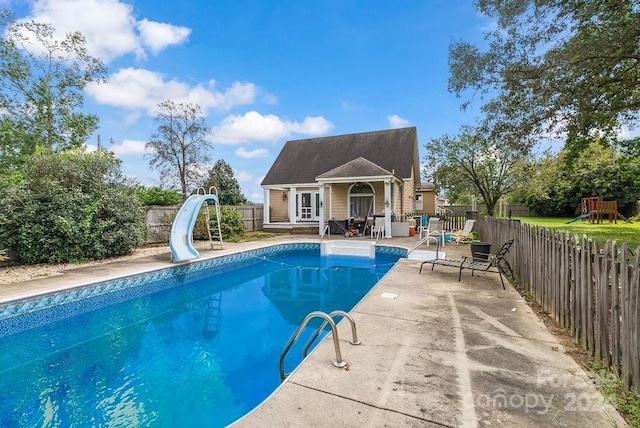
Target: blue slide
181	237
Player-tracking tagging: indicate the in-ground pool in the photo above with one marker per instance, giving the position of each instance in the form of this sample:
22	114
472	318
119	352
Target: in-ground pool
193	345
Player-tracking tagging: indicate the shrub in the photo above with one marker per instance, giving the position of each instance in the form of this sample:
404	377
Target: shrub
159	196
72	206
231	225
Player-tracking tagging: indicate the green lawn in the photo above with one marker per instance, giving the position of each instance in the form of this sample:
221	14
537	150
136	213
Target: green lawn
620	232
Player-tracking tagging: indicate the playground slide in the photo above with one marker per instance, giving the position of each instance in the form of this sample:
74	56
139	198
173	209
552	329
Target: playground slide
580	217
181	237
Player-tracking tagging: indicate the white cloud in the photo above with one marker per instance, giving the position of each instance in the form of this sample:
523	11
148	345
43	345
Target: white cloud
243	176
136	88
130	147
109	26
257	153
257	197
396	121
253	126
157	35
270	99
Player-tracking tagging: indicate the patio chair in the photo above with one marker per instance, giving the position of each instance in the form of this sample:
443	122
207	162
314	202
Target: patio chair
378	228
461	234
497	263
432	231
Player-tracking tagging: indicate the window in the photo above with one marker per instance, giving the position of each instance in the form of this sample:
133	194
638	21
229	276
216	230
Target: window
361	200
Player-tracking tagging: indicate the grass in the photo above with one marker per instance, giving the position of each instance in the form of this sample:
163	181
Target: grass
253	236
602	232
614	392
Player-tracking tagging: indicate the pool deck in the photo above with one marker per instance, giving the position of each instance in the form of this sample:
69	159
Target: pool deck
433	352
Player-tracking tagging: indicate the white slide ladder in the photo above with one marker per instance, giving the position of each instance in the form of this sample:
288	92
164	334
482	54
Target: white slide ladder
181	236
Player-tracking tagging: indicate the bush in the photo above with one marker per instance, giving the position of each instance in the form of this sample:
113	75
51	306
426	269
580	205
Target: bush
72	206
159	196
231	225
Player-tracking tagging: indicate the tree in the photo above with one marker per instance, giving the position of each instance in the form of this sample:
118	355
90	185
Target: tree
559	66
179	144
549	191
472	161
561	180
41	84
222	178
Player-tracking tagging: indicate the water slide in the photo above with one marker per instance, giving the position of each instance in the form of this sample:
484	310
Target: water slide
181	237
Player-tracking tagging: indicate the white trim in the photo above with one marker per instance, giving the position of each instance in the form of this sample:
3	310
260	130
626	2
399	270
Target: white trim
355	179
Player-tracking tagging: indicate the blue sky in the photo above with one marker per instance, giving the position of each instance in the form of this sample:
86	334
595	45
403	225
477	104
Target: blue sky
266	71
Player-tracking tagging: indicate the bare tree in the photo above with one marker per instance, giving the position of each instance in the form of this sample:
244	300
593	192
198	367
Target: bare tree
179	144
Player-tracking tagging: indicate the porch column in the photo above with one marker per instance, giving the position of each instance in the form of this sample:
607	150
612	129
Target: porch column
292	205
321	220
266	204
387	208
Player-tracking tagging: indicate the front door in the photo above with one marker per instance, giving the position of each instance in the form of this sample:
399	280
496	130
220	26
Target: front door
305	207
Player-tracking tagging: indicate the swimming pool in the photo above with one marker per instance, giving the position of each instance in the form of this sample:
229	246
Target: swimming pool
194	345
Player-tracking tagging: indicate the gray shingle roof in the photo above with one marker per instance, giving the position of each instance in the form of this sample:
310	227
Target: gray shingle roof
359	167
301	161
426	187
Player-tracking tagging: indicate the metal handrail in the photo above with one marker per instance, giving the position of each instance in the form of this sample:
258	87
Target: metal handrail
354	333
423	240
315	314
326	229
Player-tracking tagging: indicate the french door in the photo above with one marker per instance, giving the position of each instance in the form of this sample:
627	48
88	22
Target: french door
307	206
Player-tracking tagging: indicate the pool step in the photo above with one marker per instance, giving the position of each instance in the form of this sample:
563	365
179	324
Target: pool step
349	248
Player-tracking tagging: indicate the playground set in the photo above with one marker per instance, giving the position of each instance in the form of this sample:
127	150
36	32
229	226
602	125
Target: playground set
595	210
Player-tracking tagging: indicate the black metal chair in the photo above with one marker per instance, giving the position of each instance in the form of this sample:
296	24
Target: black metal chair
496	263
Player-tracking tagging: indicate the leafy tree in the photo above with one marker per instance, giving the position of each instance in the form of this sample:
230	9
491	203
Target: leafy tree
179	144
558	184
554	66
604	171
222	178
548	190
472	161
41	84
70	206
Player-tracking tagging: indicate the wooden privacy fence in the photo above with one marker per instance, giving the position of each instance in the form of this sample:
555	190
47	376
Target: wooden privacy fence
252	217
159	220
589	289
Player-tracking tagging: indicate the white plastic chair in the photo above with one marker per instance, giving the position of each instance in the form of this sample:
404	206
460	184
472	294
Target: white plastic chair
378	228
460	235
433	231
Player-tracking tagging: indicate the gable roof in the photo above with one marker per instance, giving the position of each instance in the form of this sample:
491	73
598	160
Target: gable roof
426	187
359	167
301	161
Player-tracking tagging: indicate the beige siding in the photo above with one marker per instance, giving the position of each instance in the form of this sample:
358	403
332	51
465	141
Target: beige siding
429	202
339	208
410	194
279	208
378	189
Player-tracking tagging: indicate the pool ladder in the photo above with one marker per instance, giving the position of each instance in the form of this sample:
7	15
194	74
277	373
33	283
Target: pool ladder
328	319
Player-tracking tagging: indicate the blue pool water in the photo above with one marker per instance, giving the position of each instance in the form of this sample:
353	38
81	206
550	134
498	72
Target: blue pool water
196	345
